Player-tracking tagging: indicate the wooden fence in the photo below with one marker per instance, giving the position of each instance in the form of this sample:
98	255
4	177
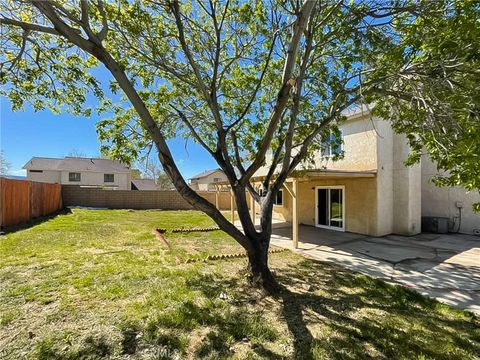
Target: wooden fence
22	200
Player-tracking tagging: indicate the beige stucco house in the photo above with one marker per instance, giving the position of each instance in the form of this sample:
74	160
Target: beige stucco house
370	191
206	181
95	172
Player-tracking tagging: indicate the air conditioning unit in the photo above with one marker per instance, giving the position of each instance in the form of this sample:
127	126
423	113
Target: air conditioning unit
435	224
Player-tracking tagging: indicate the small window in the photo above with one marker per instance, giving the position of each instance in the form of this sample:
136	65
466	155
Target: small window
326	146
262	191
36	171
279	198
74	176
108	178
332	145
217	179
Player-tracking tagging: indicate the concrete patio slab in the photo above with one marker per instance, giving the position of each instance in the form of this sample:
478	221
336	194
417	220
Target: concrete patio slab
445	267
392	253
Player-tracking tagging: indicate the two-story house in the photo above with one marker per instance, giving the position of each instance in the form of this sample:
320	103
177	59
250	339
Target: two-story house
206	181
370	191
104	173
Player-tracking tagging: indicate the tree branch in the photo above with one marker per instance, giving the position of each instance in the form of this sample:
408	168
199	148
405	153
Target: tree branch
102	34
257	88
29	26
192	130
310	32
287	83
175	7
238	159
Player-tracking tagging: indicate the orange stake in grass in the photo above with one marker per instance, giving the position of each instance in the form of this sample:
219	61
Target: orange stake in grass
159	235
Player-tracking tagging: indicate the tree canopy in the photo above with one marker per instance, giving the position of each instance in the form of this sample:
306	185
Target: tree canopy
438	105
201	66
244	79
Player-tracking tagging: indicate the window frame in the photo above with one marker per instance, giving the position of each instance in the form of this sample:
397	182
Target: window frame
275	201
327	145
74	178
108	181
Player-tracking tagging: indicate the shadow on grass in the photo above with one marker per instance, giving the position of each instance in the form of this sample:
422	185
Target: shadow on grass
91	348
33	222
321	312
334	313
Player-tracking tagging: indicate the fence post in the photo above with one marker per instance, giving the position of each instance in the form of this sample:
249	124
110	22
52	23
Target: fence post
2	202
30	202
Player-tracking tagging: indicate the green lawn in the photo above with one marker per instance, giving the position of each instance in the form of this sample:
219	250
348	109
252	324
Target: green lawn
96	284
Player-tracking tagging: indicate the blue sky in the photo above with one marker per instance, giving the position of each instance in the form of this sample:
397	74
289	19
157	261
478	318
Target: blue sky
27	133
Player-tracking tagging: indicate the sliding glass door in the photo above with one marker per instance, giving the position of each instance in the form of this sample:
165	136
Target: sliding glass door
330	207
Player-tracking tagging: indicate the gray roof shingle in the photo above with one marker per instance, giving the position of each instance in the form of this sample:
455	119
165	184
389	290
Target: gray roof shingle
205	173
76	164
144	184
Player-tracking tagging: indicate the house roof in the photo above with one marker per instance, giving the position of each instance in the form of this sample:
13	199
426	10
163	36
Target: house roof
143	184
358	110
76	164
307	175
205	174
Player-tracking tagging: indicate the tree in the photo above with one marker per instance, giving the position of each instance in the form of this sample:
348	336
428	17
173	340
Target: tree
151	169
438	106
136	174
4	164
241	79
76	153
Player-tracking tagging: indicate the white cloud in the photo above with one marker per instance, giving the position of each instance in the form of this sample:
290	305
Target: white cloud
20	172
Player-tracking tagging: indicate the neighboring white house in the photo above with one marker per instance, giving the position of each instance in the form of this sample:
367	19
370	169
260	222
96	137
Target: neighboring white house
104	173
206	180
370	191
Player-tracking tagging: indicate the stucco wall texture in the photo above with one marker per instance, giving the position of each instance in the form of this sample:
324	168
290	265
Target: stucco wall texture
121	180
441	201
396	199
203	183
360	209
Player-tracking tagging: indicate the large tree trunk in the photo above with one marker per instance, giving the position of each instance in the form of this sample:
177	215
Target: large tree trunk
259	271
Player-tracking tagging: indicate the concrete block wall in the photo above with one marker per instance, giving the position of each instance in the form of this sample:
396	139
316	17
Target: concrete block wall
127	199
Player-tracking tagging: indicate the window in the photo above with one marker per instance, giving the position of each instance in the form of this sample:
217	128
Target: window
262	191
36	171
74	176
279	198
217	179
332	145
108	178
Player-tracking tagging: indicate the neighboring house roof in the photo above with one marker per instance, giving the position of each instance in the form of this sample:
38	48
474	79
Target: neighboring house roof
76	164
205	174
357	110
143	184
